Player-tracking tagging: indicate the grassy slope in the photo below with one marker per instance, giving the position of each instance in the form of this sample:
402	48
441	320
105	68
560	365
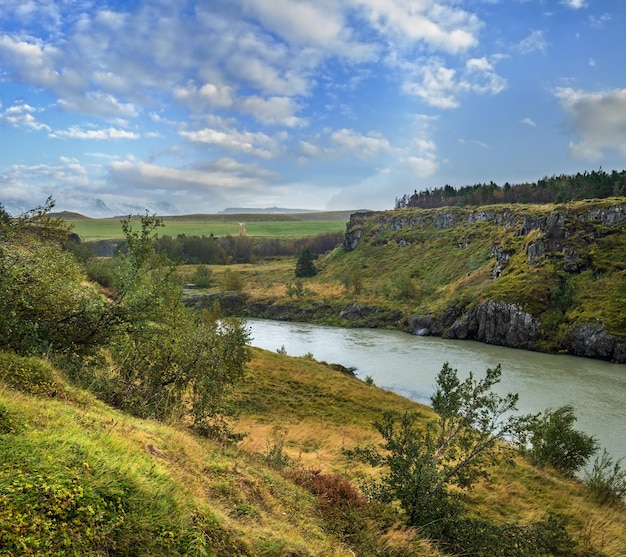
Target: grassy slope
74	469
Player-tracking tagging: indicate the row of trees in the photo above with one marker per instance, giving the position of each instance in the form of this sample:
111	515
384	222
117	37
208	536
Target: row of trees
212	250
137	346
556	189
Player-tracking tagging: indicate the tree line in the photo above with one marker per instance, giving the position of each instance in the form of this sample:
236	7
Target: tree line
223	250
596	184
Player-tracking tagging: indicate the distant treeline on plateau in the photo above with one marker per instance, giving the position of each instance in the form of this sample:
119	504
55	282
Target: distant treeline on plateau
556	189
212	250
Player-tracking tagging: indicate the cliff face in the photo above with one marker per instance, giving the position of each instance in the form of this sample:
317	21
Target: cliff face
543	278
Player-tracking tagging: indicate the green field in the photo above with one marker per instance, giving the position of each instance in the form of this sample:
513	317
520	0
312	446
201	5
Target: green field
276	226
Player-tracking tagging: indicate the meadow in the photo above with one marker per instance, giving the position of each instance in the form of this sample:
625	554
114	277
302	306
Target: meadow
268	226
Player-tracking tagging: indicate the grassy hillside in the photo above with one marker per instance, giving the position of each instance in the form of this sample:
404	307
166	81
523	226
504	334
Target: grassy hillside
77	477
440	261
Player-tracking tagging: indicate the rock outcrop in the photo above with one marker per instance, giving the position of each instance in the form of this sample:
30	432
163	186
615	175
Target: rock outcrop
566	238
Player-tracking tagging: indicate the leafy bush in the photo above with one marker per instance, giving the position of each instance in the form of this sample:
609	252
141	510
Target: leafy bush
202	277
101	271
353	282
405	287
232	280
45	305
607	480
296	289
553	441
426	468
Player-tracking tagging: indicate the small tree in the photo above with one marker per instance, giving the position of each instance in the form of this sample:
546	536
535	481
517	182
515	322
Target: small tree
304	265
203	277
607	480
423	461
554	441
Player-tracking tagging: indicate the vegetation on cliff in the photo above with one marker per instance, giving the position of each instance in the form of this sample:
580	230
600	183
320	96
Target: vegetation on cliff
541	277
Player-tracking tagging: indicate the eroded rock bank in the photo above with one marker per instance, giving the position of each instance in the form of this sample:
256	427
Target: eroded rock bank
491	322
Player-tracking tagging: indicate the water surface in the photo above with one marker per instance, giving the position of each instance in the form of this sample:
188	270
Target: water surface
408	365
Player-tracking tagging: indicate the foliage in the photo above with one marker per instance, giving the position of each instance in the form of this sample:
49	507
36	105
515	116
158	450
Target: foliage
45	306
353	282
607	480
166	360
296	289
202	277
274	454
232	280
453	450
304	265
553	441
29	375
556	189
404	286
217	250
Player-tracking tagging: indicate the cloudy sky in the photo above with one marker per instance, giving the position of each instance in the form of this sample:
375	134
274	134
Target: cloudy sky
176	106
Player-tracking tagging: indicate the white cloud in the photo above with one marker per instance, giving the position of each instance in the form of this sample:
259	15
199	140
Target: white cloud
599	22
256	144
317	24
529	122
575	4
441	86
535	42
435	24
103	134
275	110
96	103
598	119
22	115
361	146
31	60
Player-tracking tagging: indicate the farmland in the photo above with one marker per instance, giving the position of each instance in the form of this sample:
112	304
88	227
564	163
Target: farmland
285	226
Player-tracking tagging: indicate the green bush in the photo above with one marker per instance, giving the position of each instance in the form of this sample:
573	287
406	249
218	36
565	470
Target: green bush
304	265
607	480
202	277
232	280
553	441
29	375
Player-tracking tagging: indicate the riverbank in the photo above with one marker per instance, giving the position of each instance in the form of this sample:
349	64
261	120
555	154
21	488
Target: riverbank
543	278
84	478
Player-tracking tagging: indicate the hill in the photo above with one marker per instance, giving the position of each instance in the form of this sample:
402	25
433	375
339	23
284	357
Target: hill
78	477
540	277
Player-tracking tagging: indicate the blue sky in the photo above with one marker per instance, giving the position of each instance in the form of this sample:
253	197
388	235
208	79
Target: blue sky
174	106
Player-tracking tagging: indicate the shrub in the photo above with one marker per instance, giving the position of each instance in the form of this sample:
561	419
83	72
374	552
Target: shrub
353	282
421	463
304	265
607	480
232	280
202	277
554	441
29	375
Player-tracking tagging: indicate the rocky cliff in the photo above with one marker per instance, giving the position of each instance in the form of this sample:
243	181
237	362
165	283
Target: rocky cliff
543	278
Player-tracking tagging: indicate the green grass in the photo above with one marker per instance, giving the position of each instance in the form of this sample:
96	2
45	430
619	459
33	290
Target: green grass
277	226
80	478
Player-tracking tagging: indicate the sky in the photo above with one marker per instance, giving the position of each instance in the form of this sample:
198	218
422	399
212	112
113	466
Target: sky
184	107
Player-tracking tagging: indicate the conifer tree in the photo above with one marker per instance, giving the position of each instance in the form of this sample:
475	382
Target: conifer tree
304	265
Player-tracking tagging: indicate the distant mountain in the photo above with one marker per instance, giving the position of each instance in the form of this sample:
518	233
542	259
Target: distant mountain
259	211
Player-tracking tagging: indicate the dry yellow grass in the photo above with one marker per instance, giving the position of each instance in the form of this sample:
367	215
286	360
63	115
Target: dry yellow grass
316	412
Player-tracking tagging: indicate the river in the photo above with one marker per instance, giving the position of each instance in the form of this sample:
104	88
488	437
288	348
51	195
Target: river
408	365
